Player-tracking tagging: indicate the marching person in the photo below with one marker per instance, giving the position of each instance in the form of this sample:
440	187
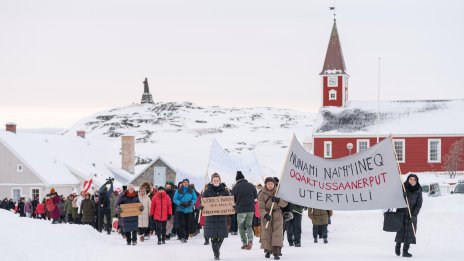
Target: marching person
87	210
406	235
53	207
293	226
320	219
129	224
169	189
272	238
144	230
244	196
104	206
161	211
216	226
184	198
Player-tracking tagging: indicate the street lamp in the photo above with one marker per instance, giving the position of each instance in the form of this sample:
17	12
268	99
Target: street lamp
349	146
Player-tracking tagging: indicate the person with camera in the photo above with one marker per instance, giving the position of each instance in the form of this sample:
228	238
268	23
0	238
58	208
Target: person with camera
130	225
104	206
184	198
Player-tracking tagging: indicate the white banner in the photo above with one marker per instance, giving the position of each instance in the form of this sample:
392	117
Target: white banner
227	165
366	180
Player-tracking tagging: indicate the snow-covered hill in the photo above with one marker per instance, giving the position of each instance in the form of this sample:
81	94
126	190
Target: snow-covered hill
182	133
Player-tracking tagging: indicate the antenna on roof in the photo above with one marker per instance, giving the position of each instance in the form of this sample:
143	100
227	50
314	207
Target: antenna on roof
332	8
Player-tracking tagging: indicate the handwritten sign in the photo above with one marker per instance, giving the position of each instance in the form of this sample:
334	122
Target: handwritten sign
214	206
130	210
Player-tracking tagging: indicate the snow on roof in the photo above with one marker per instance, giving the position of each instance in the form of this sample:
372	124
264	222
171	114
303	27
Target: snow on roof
33	151
55	158
419	117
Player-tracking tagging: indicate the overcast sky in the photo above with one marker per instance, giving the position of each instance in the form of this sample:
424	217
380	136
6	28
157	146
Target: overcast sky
63	60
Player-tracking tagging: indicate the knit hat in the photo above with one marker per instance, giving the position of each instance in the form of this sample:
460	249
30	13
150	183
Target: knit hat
215	175
239	175
160	188
52	191
186	179
269	179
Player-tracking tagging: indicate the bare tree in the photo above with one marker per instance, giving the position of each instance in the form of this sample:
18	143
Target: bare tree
454	160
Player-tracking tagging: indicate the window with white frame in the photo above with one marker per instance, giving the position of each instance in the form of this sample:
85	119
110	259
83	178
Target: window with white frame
400	150
332	95
19	168
16	194
434	151
362	145
327	149
35	193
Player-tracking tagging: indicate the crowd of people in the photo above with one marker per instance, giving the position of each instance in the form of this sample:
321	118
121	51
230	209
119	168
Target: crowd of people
172	211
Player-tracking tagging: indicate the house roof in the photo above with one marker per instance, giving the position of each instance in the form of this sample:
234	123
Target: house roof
148	166
334	62
33	152
60	160
418	117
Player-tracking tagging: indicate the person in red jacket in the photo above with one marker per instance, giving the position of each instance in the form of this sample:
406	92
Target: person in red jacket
161	211
40	210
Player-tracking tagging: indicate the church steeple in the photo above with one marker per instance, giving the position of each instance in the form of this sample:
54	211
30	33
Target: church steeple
334	76
334	57
146	97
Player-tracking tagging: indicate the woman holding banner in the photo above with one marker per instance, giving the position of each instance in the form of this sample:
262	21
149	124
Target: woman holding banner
272	238
216	226
413	196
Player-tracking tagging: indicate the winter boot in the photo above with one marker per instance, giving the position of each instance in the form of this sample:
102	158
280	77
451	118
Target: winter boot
159	239
215	246
290	243
276	252
163	239
268	254
405	251
326	241
297	244
142	238
206	241
397	249
315	240
250	245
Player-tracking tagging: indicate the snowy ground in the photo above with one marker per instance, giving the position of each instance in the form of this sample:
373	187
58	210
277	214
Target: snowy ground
352	236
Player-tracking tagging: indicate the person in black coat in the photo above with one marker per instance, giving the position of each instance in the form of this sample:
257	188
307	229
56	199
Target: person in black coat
104	206
406	235
216	226
244	195
130	225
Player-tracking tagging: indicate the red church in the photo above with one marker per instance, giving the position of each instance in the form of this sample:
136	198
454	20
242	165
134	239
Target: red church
428	135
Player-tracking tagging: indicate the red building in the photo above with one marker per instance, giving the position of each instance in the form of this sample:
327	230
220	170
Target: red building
423	131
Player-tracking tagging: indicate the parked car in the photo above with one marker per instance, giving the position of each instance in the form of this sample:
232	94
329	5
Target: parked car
459	189
433	189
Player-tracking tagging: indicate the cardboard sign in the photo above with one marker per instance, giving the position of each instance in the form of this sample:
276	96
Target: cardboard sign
130	210
215	206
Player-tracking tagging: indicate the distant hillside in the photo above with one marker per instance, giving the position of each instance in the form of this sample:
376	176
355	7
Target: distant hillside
181	133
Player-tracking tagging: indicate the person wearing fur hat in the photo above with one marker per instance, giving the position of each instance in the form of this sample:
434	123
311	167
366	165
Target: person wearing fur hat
406	235
245	195
144	230
185	199
129	224
161	211
272	237
216	226
87	210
